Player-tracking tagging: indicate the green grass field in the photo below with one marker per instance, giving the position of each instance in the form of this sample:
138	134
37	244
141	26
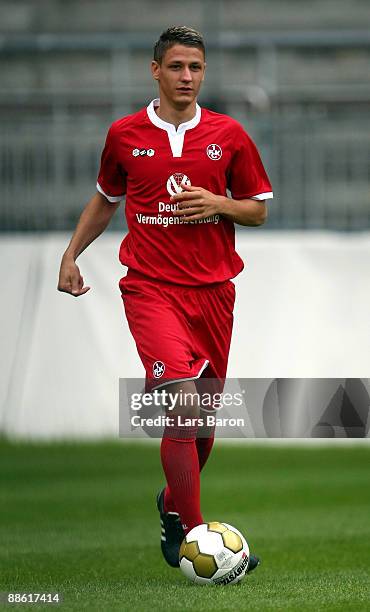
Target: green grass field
80	519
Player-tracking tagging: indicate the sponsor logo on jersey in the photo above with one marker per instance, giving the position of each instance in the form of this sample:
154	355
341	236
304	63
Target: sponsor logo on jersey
214	152
143	152
175	182
158	369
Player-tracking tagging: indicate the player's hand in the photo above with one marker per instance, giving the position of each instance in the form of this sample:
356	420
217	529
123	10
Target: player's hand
70	279
196	203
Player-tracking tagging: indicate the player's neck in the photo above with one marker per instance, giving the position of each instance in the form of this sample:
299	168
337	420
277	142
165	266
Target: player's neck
176	116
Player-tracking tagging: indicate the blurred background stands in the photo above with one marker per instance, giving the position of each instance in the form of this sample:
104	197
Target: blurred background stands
298	79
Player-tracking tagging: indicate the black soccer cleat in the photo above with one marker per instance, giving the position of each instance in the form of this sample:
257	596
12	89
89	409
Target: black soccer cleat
253	563
172	533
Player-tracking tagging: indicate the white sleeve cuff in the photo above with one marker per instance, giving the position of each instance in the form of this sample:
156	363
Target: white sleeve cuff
263	196
112	199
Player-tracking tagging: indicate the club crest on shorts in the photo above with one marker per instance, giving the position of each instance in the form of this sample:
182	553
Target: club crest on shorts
158	369
214	152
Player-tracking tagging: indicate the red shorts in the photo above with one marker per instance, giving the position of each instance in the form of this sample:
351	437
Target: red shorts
181	332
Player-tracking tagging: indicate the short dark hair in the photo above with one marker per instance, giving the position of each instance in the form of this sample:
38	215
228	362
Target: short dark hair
177	35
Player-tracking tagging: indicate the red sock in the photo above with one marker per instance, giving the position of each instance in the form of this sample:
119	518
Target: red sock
204	447
169	504
181	466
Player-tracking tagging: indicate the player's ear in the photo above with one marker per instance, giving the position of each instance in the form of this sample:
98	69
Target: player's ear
155	70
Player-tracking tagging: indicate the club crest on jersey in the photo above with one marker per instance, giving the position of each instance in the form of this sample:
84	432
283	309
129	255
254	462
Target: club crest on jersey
143	152
175	182
158	369
214	152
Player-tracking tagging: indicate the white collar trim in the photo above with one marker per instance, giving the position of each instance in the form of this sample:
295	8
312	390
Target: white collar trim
176	137
169	127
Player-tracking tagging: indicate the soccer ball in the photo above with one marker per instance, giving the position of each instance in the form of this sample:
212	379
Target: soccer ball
214	553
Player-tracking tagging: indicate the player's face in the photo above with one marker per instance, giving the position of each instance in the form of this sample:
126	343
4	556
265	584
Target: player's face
180	74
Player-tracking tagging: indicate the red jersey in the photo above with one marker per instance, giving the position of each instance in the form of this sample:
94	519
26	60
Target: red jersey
147	159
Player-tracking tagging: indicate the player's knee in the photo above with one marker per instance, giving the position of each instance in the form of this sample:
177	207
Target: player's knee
182	400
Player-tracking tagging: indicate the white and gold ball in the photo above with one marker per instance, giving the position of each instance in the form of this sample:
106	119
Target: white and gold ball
214	553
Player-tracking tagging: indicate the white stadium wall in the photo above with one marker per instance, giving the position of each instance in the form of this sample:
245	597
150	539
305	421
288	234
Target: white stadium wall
302	311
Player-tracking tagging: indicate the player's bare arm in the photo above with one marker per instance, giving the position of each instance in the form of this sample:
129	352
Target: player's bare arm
93	221
197	203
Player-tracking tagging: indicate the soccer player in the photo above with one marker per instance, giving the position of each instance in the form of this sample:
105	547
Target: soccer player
175	161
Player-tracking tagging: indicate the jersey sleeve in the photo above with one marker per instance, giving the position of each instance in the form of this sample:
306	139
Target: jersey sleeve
247	178
112	177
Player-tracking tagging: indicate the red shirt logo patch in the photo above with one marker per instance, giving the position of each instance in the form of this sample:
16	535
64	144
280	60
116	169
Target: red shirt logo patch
214	151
